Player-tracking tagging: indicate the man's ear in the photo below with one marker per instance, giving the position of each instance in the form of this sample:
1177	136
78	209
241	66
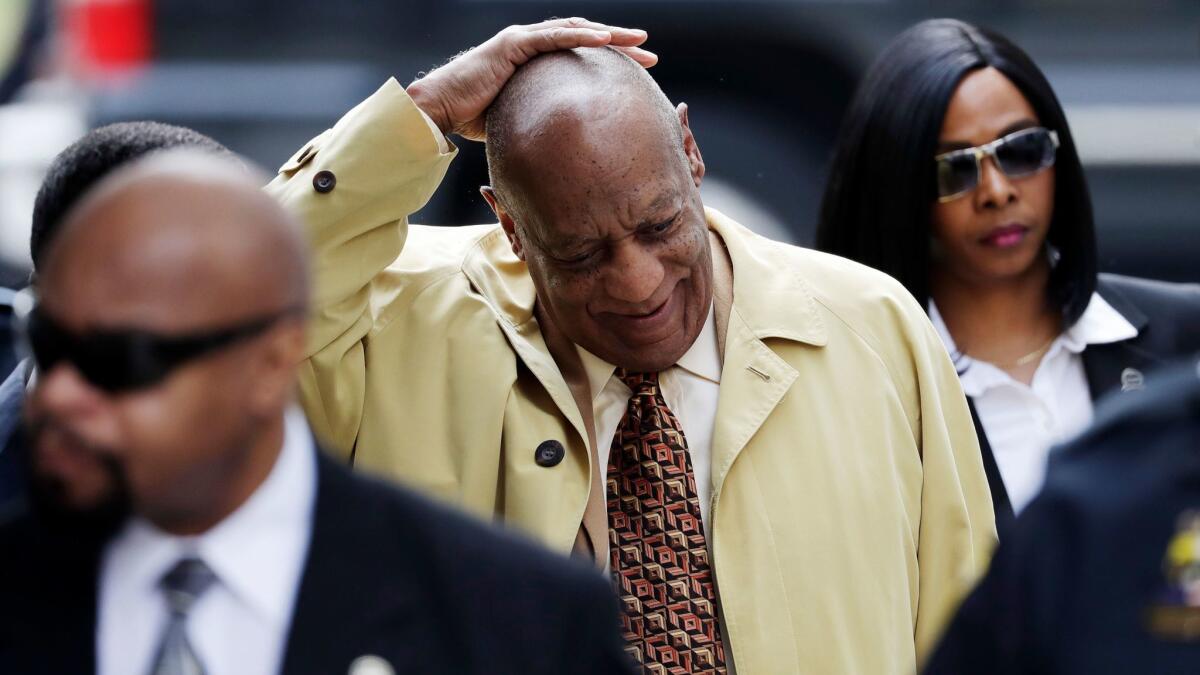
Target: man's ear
506	221
690	149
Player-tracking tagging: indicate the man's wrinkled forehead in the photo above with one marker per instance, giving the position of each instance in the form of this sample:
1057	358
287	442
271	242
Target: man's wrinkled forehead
578	224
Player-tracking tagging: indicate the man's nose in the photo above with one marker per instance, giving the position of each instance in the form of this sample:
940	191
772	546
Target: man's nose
634	273
64	391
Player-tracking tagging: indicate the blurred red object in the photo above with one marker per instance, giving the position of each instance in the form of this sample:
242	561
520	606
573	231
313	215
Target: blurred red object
108	37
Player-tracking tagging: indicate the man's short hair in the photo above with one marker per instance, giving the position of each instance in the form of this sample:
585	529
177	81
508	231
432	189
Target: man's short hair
92	157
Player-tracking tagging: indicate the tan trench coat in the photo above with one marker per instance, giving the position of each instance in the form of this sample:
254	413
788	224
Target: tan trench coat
849	504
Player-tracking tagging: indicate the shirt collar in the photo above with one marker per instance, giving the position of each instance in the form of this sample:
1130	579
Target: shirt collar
702	359
244	550
1099	324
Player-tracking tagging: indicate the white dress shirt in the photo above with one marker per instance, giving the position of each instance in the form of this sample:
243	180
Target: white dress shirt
690	388
240	624
1023	422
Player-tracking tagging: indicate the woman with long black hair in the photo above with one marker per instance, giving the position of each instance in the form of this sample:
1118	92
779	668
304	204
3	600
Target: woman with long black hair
956	173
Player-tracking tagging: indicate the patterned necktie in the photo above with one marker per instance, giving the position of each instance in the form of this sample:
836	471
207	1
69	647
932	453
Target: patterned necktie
656	541
182	586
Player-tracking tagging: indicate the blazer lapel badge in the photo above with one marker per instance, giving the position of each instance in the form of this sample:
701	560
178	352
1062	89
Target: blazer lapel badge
1132	379
371	665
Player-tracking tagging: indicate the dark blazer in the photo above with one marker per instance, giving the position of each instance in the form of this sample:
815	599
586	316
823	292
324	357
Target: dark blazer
1081	583
387	574
1167	317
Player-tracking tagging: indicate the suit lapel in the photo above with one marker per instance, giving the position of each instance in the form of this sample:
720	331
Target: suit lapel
354	580
54	600
1000	502
1118	366
77	621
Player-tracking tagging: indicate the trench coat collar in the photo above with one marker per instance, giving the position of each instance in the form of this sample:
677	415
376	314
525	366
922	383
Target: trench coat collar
769	293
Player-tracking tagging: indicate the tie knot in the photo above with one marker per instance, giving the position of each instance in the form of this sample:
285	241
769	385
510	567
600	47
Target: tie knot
638	382
185	583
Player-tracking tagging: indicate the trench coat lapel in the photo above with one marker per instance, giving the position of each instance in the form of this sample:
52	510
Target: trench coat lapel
753	378
503	281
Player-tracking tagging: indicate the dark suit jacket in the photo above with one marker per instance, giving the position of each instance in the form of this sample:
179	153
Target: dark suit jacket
1167	317
1079	584
387	573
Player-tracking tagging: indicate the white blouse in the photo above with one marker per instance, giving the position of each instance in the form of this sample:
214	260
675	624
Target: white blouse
1023	422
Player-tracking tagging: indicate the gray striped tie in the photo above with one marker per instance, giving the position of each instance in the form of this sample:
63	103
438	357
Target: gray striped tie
182	586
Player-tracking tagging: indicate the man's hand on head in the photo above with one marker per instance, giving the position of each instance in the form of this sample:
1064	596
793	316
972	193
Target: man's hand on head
457	95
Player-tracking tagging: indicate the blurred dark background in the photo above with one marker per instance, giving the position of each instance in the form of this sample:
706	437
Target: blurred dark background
766	81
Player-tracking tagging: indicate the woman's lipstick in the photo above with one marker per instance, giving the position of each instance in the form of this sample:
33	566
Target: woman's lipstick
1006	236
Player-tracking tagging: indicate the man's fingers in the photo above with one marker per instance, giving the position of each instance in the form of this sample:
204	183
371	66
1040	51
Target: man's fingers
554	39
623	37
644	58
580	22
627	37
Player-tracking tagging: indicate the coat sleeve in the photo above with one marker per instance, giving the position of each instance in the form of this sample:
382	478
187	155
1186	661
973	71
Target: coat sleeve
382	160
958	528
1011	622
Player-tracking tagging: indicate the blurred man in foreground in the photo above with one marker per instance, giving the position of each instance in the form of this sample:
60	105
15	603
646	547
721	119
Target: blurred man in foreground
1102	573
623	373
72	173
183	521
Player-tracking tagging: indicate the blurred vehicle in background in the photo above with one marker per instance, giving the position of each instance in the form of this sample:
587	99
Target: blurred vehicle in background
766	82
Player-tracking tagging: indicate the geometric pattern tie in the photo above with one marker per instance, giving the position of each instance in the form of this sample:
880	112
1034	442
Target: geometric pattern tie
657	548
182	586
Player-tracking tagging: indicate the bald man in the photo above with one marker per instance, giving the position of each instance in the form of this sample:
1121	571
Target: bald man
766	447
182	520
70	174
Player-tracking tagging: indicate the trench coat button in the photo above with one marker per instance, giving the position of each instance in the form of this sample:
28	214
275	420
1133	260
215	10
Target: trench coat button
324	181
549	453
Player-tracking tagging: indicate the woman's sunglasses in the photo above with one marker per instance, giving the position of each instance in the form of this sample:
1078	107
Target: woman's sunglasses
124	360
1021	153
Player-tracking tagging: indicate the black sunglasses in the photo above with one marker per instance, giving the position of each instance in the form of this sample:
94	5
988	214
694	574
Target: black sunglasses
1021	153
123	360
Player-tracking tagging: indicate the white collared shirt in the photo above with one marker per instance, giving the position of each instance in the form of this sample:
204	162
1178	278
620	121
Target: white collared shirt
240	624
690	388
1023	422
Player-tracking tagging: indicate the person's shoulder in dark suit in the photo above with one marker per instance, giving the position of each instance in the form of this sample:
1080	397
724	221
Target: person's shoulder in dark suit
1099	574
388	575
12	441
432	590
47	593
1169	311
